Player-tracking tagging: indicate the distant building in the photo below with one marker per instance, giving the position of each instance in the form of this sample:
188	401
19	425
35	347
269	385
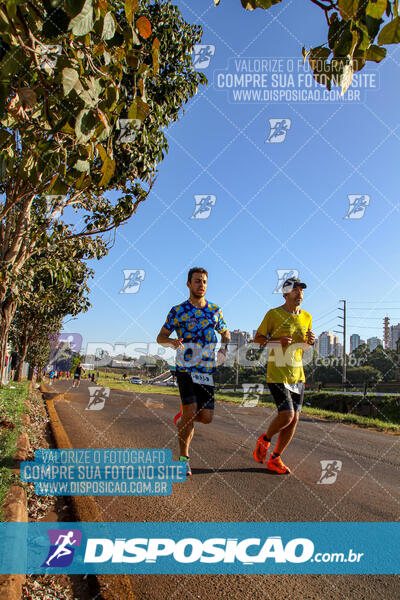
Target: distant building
386	333
373	343
355	341
326	343
239	338
394	333
338	350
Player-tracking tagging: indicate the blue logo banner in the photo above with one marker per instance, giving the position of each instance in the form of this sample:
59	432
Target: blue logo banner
205	548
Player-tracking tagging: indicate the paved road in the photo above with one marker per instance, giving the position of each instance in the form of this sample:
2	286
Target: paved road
227	485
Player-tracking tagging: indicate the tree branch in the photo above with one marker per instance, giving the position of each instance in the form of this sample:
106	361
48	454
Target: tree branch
325	7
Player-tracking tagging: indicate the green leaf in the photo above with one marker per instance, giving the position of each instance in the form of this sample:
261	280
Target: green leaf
373	26
253	4
376	8
390	34
358	60
348	9
107	169
82	165
131	6
365	39
70	78
334	32
108	27
12	62
4	91
376	53
82	24
73	7
318	63
138	110
85	126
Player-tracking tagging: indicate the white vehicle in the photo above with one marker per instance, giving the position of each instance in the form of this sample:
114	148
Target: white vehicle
136	380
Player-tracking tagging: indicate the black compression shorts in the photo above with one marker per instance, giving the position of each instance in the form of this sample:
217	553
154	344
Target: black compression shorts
192	392
284	398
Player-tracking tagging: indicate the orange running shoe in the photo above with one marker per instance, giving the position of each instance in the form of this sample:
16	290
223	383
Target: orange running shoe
260	453
276	465
178	416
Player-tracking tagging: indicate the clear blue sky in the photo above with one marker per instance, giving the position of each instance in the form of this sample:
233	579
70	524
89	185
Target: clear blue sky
278	205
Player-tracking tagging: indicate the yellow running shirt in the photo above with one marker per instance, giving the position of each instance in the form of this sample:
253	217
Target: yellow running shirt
285	365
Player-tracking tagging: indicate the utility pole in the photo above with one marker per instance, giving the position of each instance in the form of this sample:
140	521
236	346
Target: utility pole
344	341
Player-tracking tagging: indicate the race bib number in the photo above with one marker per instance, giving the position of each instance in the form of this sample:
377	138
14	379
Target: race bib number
202	378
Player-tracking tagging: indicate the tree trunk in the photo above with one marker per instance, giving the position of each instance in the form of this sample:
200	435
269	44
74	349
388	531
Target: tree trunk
22	350
30	372
7	312
22	353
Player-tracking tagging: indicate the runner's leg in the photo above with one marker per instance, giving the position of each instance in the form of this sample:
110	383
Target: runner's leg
204	415
286	434
282	420
186	428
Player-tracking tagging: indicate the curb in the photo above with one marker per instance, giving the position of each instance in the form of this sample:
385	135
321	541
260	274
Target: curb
15	508
112	587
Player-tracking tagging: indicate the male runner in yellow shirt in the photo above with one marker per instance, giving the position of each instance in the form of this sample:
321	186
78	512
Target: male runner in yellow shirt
286	330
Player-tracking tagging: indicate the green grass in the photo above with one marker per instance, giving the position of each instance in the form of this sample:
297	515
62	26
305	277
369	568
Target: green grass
12	406
237	398
353	419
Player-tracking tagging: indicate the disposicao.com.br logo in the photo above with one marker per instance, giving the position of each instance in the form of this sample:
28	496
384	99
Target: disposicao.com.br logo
189	550
248	551
202	547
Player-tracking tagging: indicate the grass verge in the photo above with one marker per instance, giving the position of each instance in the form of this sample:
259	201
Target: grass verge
12	406
237	398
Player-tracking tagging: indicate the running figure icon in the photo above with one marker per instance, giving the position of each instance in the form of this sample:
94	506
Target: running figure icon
62	549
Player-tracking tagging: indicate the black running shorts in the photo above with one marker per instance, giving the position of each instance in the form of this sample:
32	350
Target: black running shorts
192	392
284	398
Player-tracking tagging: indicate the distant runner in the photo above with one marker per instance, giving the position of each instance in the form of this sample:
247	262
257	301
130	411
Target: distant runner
195	322
287	332
77	375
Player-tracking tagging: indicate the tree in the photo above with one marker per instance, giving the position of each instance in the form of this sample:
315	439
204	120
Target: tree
353	27
386	361
50	299
86	89
367	374
38	355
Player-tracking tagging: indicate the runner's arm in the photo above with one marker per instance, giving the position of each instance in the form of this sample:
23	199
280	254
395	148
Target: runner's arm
225	339
221	354
164	340
263	341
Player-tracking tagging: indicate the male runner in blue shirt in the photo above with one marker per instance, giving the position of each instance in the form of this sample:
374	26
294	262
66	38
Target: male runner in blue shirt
195	322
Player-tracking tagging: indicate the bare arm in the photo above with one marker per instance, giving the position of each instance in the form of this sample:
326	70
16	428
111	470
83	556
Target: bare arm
263	341
225	339
164	339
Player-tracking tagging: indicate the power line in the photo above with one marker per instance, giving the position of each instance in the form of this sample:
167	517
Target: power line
366	318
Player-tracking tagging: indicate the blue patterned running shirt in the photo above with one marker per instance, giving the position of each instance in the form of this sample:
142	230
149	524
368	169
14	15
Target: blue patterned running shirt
197	327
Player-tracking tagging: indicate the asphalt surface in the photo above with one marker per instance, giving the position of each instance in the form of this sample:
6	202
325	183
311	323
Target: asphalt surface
227	485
